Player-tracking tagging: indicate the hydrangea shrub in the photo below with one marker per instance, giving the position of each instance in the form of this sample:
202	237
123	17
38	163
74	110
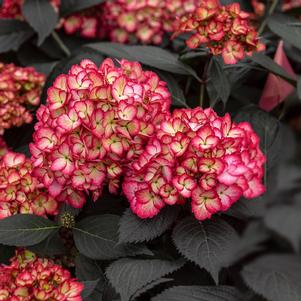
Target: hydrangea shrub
148	171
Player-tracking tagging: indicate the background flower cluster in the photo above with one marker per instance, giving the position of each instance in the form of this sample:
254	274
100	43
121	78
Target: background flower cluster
223	29
31	278
20	88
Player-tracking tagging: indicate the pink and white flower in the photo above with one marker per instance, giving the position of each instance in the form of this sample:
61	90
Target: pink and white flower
196	156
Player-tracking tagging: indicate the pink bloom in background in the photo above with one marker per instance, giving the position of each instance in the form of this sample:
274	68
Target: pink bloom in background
224	30
29	277
277	89
196	155
131	21
96	120
19	88
20	192
12	9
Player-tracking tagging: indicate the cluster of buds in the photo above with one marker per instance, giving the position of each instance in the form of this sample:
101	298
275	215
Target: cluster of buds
20	192
19	87
145	21
224	30
95	121
30	278
12	9
196	155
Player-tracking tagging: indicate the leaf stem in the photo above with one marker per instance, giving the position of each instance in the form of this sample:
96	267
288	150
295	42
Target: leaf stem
60	43
202	93
204	80
270	12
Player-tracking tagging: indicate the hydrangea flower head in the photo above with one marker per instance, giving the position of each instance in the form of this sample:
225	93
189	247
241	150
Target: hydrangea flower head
29	277
196	156
96	120
144	21
224	30
20	192
19	89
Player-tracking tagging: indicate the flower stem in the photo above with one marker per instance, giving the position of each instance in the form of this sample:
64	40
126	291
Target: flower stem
202	93
204	80
61	44
270	12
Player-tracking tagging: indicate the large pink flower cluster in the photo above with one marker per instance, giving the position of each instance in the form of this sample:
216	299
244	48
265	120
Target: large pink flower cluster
20	192
29	278
95	121
224	30
196	155
12	9
19	87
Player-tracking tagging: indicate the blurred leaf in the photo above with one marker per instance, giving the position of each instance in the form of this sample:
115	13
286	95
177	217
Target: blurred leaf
71	6
13	33
208	243
25	230
109	293
219	80
299	87
138	274
51	246
244	208
250	241
245	4
89	287
6	253
89	270
200	293
24	149
177	94
273	67
285	220
134	229
276	277
41	16
97	238
287	28
148	55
